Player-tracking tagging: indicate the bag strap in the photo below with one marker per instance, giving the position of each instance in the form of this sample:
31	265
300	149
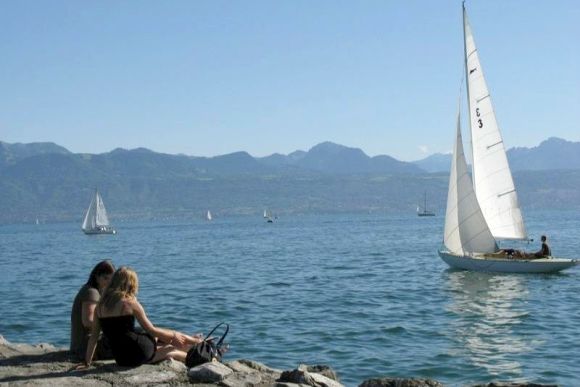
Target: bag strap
223	336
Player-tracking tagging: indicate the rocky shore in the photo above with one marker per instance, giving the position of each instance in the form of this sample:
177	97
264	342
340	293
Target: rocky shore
44	364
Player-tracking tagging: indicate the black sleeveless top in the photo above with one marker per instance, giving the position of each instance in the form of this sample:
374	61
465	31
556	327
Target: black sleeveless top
130	348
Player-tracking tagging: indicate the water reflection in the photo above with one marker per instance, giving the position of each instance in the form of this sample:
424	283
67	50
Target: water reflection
487	309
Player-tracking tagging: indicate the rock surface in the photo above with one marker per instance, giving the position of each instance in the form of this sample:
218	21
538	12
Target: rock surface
46	365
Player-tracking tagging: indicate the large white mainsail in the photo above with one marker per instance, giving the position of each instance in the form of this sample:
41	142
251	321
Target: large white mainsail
492	178
466	230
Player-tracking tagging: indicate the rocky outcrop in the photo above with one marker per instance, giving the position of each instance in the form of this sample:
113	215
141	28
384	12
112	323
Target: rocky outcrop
46	365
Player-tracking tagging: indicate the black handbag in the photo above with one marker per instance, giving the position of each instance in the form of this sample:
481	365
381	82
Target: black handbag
207	350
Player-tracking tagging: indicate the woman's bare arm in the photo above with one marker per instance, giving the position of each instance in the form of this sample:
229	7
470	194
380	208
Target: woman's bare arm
95	331
165	335
88	313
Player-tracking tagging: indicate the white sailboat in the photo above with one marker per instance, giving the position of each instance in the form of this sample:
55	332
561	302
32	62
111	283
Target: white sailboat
485	210
96	220
268	216
208	216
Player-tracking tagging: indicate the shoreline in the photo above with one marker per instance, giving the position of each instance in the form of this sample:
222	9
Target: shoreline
47	365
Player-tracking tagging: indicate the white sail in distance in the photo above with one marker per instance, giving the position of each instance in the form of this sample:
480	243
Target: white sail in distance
90	217
466	230
492	178
101	219
96	214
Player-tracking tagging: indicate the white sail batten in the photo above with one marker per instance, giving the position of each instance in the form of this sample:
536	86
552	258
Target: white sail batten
492	178
466	230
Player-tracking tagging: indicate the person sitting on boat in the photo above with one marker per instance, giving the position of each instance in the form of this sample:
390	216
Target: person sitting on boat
116	315
82	315
545	250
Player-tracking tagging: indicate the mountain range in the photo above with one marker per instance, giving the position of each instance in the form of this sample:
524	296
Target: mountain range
47	181
553	153
326	158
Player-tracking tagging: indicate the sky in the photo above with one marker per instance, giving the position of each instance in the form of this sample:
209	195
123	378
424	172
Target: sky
213	77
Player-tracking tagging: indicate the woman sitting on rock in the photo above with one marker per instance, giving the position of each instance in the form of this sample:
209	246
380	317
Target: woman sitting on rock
83	312
116	314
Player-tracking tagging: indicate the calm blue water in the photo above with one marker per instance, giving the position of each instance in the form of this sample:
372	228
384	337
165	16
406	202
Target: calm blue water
366	294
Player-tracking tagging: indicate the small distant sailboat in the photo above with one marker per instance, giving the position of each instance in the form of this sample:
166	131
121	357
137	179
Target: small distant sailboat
96	220
208	216
37	221
268	216
484	210
424	212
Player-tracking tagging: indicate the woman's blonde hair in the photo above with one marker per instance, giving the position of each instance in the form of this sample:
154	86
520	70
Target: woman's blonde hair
124	284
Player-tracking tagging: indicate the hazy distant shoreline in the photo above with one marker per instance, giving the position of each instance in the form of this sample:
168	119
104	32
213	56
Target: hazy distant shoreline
46	182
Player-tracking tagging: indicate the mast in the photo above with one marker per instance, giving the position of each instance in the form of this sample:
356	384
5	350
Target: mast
467	87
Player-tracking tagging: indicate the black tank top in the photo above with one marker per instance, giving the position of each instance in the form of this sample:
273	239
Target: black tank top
130	348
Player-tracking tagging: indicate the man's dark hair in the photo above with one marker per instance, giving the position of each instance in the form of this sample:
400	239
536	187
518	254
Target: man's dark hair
103	267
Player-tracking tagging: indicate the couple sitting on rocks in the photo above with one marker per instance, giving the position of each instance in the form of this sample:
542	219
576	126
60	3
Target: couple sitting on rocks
108	302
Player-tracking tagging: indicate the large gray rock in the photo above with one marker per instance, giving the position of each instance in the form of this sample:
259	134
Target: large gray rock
322	370
254	365
211	372
323	381
250	373
242	379
303	376
152	378
400	382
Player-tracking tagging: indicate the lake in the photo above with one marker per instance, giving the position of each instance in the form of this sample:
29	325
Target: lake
366	294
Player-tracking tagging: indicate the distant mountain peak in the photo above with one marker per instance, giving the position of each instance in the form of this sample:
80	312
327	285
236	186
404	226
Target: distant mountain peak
328	146
297	154
135	150
235	155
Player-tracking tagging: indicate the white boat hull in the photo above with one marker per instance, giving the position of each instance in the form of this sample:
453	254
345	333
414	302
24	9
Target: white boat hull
503	265
109	231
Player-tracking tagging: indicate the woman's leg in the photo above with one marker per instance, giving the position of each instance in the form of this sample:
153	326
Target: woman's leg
168	352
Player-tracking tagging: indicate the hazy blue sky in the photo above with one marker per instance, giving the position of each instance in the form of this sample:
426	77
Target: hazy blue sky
213	77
